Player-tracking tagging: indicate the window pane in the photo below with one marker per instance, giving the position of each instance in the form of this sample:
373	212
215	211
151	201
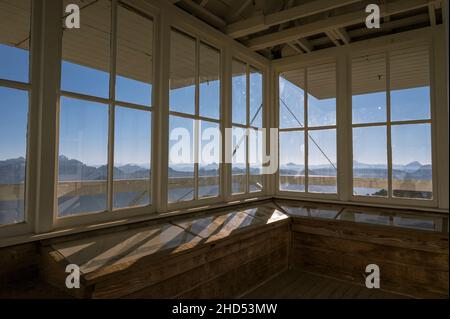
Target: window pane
292	99
83	157
134	66
256	98
13	132
369	89
239	92
182	73
292	161
14	46
322	95
209	82
86	54
181	159
239	163
410	84
132	158
370	168
411	161
322	157
255	160
209	159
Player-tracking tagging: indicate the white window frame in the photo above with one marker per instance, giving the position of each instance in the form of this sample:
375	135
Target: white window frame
196	201
32	87
306	128
111	214
388	125
249	65
45	62
431	37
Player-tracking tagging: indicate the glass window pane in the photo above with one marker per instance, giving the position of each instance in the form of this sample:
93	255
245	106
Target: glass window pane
182	73
13	132
134	62
181	159
292	99
239	92
322	95
256	98
239	162
411	161
209	82
86	54
292	161
410	84
15	15
322	167
370	168
369	89
132	158
255	160
83	157
209	159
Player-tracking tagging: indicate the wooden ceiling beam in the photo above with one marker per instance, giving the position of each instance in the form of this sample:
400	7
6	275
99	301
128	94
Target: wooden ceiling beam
432	14
237	9
263	22
331	23
343	35
296	49
330	34
305	45
202	13
420	18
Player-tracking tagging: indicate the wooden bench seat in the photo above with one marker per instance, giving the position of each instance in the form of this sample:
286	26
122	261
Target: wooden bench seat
146	261
411	248
224	253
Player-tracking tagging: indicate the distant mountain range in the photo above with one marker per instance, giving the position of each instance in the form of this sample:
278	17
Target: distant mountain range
413	170
12	171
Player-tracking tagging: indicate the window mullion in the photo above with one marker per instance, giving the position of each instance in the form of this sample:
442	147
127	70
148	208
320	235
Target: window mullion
112	95
247	135
388	126
196	120
306	137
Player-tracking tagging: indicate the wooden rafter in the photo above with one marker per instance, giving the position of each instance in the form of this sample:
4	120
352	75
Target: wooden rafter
432	13
295	47
330	34
394	24
263	22
204	14
331	23
237	9
343	35
304	44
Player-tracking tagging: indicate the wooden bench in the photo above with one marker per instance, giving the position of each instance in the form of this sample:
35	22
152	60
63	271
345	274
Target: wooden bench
410	248
218	255
224	253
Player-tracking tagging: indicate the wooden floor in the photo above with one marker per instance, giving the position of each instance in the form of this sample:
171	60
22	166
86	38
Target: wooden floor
33	289
295	284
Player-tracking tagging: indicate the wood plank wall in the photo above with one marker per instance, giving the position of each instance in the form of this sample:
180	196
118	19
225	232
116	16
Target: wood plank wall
18	262
414	263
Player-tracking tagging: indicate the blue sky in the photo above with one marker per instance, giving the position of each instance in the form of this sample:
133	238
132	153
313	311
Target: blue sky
84	125
409	142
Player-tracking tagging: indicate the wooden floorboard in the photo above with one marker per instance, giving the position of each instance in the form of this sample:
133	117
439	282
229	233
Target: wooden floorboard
296	284
33	289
